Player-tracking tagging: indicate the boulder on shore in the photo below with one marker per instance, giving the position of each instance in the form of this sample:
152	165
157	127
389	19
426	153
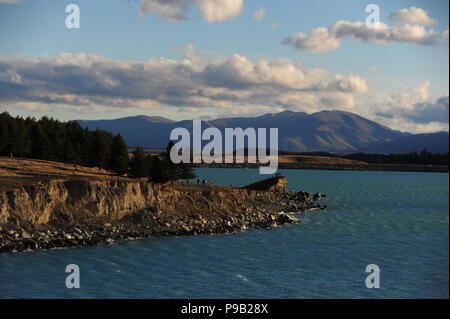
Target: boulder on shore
318	196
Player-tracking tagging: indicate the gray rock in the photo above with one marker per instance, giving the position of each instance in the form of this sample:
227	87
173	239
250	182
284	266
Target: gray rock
26	235
317	196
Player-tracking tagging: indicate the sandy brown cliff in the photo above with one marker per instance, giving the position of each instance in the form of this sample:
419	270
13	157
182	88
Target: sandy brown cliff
80	211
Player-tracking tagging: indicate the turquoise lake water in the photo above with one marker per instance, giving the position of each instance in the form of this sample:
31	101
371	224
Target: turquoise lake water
398	221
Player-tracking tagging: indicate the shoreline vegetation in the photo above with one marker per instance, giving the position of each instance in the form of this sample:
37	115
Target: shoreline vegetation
334	166
46	205
411	162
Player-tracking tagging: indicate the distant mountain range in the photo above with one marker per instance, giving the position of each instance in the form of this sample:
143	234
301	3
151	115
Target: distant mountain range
432	142
325	131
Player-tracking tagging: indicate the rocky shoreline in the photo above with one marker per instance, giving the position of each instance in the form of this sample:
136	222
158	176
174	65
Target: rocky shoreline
77	214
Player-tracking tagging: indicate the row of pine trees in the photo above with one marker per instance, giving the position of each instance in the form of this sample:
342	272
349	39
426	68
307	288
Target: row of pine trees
160	168
68	142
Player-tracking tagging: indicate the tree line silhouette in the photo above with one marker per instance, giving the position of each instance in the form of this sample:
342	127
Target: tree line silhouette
159	168
68	142
424	157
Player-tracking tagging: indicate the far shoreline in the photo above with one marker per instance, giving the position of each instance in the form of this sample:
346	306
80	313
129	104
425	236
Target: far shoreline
338	167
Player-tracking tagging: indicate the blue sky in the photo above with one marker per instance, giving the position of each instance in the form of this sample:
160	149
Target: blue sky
393	81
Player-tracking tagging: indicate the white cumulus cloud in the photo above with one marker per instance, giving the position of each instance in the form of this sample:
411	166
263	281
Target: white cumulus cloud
412	15
422	90
219	10
172	10
421	109
88	80
329	39
208	10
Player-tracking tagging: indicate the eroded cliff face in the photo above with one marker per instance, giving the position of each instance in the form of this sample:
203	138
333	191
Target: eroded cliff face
112	200
76	199
78	212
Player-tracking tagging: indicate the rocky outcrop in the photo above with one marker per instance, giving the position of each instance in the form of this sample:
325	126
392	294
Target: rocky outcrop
277	183
318	196
73	213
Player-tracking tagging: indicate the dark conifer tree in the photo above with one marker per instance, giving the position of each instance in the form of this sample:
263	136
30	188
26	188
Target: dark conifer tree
185	171
51	139
139	166
159	172
119	155
171	166
41	145
100	148
22	142
4	137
